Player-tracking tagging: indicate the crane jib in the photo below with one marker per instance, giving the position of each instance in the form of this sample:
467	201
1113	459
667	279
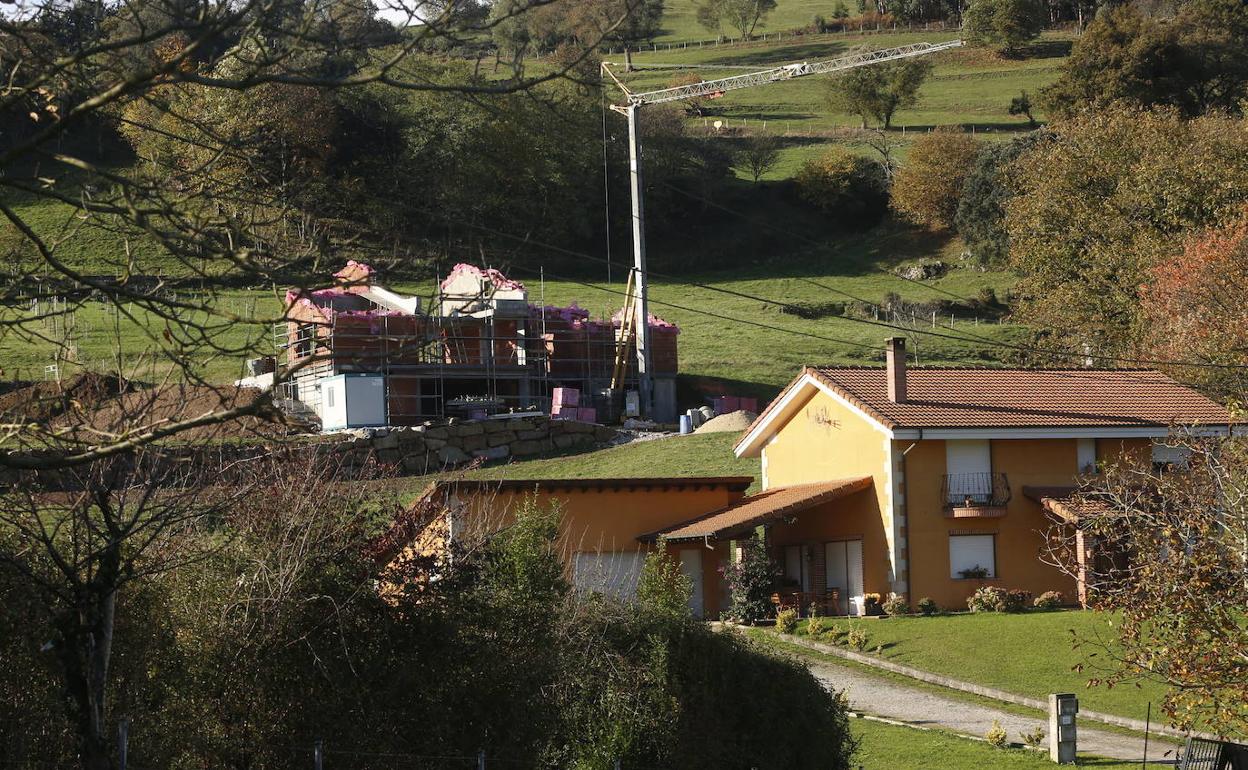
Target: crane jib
714	88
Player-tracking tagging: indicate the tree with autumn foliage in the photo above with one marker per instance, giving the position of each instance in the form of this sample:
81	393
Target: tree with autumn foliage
1195	310
1103	200
1166	551
928	187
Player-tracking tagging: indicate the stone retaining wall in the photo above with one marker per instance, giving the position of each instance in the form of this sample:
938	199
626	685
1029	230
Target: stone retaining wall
410	451
430	447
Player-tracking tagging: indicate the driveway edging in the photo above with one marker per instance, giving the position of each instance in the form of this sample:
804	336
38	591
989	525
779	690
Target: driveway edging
987	692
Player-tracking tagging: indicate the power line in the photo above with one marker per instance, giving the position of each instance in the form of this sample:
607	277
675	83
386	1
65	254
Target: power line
971	337
698	311
881	324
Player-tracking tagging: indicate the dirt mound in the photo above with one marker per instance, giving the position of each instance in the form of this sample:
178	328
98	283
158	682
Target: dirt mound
155	407
733	422
45	401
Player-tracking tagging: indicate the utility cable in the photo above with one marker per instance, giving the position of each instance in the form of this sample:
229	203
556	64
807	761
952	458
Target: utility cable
882	324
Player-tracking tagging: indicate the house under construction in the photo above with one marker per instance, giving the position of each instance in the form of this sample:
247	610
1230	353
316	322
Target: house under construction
362	355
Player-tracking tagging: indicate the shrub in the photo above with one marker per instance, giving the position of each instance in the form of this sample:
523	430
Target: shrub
749	583
663	589
815	626
1033	738
896	605
856	638
928	606
1016	600
987	599
786	621
871	604
1049	600
974	573
996	736
849	188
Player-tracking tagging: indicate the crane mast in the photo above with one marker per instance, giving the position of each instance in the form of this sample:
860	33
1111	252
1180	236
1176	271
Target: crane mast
712	88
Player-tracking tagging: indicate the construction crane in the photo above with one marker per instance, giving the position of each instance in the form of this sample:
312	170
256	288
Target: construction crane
713	89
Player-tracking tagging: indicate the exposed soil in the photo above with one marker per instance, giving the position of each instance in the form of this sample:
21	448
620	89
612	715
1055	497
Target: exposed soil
156	407
45	401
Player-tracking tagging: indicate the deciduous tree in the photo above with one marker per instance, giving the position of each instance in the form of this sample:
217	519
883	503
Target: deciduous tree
759	154
1192	62
1194	309
1006	24
1108	197
742	15
880	90
928	186
1166	551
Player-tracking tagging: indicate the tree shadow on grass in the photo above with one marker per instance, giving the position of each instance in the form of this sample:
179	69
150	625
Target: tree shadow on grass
784	54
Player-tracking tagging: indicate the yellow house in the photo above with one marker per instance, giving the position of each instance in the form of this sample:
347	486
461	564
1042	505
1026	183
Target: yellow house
928	482
957	471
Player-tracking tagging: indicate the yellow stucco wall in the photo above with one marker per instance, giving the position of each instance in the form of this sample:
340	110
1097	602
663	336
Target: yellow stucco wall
609	519
825	440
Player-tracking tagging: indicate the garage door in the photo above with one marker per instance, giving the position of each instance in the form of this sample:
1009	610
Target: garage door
609	572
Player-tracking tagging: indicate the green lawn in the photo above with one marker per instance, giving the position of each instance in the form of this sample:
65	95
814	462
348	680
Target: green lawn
1029	654
698	455
890	747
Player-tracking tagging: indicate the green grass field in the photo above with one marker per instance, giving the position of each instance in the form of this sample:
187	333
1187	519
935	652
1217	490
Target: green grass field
756	352
1030	654
891	747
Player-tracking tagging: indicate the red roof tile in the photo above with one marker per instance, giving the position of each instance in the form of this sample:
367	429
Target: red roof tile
749	512
1018	398
1068	503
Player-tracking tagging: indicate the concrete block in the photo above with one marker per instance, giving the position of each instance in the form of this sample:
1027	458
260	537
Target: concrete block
494	426
470	429
572	426
416	463
602	433
470	443
388	456
493	453
563	441
438	433
434	444
532	435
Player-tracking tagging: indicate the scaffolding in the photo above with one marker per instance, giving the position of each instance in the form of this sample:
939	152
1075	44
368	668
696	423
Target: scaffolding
503	357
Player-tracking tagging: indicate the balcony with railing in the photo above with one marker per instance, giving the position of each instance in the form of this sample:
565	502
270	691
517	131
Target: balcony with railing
975	495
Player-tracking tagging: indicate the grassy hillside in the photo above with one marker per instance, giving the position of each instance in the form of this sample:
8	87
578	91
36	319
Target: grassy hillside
792	256
968	88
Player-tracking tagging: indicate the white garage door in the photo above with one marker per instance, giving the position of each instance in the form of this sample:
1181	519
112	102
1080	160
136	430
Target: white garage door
610	572
691	566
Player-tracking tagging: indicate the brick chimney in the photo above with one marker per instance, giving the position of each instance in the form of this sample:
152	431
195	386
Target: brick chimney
895	368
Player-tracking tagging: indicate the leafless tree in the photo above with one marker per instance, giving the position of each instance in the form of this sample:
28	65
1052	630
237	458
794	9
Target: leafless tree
1165	547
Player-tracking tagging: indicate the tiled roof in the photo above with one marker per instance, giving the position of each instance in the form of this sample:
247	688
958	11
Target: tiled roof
749	512
1024	398
1066	502
735	483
